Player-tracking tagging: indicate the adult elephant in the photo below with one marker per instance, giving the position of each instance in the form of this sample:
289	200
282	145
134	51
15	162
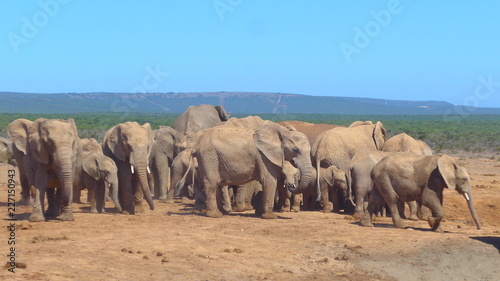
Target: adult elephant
199	117
129	145
405	143
337	147
249	122
54	150
166	144
6	155
234	156
99	175
404	177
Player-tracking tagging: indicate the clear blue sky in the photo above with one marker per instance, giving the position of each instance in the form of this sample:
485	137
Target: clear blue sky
410	50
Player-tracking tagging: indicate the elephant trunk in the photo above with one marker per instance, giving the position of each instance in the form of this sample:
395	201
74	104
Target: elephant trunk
306	175
143	184
113	184
468	198
65	175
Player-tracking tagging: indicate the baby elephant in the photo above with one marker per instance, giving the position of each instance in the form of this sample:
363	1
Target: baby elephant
99	173
404	177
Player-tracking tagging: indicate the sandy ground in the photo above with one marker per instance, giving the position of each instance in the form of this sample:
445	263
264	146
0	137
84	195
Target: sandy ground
175	242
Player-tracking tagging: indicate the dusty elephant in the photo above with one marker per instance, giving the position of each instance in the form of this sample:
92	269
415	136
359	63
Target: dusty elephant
166	144
337	146
53	151
234	156
337	182
129	145
199	117
99	175
405	143
403	177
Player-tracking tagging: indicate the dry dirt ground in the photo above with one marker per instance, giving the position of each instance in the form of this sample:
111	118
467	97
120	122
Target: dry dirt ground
175	242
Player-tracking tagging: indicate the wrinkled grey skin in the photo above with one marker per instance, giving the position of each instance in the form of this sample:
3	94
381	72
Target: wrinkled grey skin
53	151
129	145
6	154
404	177
184	177
363	162
91	145
337	146
166	144
199	117
99	175
234	156
405	143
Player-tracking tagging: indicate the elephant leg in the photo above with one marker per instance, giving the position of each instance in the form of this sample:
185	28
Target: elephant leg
325	198
170	195
53	208
297	200
433	202
92	198
164	183
361	198
401	209
39	198
100	197
396	218
125	189
373	201
153	182
334	198
211	193
25	191
66	200
423	212
240	204
412	205
77	194
226	200
268	194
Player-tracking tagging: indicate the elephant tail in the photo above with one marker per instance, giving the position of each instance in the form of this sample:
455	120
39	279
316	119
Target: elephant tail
182	182
318	187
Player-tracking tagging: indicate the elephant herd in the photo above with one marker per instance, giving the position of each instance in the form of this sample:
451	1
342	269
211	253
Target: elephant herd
266	166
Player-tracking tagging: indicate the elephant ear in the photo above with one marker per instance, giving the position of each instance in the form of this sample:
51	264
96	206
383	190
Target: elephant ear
379	135
329	175
166	138
267	138
35	142
447	168
114	142
91	166
222	113
18	132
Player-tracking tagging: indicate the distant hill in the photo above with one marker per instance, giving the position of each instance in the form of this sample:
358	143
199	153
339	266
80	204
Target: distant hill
233	102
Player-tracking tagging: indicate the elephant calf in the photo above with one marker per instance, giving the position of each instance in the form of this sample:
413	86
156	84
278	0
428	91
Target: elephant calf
403	177
99	173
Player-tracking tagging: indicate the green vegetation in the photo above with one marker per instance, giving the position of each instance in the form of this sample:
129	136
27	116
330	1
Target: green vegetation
474	133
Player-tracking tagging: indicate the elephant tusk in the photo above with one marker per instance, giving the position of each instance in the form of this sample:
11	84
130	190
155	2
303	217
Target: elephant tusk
132	168
149	171
466	196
